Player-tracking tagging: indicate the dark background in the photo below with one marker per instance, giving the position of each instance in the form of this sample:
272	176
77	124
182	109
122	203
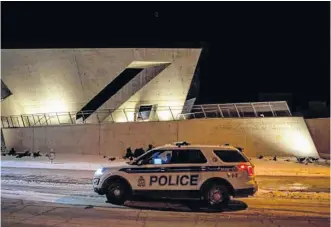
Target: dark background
253	47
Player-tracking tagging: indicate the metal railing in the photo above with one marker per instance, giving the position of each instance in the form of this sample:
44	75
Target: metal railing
256	109
162	113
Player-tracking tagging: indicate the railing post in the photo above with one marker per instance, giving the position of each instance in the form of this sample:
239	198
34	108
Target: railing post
255	113
219	108
272	111
203	111
235	106
58	119
288	109
45	119
83	117
172	115
27	117
11	120
97	117
34	121
127	120
39	120
18	122
7	122
111	116
23	121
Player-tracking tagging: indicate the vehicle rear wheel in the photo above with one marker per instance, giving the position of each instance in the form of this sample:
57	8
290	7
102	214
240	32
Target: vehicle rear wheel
118	193
217	196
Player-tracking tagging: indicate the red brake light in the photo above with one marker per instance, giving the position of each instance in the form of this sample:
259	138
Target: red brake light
248	168
242	167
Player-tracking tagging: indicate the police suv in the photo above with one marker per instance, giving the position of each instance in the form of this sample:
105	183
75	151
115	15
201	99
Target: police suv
211	174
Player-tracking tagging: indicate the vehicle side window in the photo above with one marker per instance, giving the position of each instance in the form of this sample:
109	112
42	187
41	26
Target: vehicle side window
156	157
187	156
230	156
148	158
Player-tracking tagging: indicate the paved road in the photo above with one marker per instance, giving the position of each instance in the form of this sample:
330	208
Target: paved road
19	213
37	197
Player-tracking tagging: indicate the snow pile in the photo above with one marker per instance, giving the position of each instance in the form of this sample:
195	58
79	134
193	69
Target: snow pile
293	195
61	161
289	167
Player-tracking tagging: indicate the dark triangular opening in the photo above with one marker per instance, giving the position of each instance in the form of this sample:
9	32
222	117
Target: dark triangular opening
112	88
5	92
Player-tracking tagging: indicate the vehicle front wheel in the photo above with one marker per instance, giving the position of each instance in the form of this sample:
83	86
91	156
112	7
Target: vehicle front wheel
217	196
118	193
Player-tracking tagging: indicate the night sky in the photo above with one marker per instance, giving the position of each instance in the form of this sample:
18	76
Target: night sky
253	46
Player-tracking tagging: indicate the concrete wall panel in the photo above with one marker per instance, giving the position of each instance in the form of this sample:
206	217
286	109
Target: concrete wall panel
265	136
281	136
18	138
320	132
79	139
115	138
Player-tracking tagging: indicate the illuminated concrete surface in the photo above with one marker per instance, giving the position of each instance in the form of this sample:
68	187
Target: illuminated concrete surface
259	136
284	136
320	132
60	80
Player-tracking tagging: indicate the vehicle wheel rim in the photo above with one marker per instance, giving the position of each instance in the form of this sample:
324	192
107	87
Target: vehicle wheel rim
216	196
116	191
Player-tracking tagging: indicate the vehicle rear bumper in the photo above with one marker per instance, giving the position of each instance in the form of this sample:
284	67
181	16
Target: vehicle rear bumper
245	192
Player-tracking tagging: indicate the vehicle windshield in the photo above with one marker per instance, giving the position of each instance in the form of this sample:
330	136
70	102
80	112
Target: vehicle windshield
137	159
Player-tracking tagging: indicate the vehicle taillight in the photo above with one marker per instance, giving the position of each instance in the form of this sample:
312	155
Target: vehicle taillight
248	168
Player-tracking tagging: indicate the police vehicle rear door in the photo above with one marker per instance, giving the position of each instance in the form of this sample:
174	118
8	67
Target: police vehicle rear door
234	161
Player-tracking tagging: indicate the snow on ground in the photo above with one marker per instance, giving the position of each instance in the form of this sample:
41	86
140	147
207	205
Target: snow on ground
62	161
292	195
265	166
289	167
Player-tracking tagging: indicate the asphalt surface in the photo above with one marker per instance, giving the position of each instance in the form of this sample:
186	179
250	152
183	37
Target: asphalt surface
39	197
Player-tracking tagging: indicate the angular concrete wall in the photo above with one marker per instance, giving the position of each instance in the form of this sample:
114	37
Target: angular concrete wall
61	80
320	132
265	136
115	138
259	136
80	139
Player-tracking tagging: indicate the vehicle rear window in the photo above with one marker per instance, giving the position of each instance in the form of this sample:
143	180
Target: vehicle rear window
230	156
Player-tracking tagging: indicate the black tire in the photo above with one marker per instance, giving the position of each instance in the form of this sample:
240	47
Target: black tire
217	195
118	192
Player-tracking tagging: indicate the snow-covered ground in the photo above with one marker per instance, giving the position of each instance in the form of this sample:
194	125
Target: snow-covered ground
61	161
316	196
290	167
265	166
